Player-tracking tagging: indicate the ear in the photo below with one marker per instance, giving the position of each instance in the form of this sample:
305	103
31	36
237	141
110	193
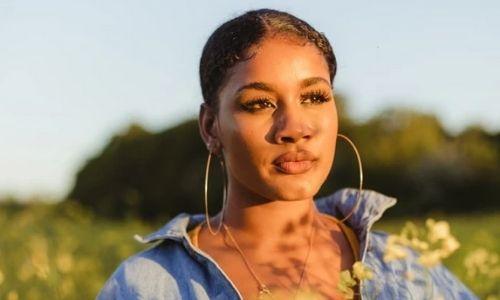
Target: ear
207	123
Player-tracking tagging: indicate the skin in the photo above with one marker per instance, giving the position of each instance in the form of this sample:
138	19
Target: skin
270	213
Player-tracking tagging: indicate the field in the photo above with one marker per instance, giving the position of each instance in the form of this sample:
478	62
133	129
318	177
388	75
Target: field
64	252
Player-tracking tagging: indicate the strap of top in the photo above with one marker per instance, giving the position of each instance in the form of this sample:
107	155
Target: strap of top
348	232
193	234
350	236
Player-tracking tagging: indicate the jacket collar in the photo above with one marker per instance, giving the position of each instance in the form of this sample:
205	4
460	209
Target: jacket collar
371	206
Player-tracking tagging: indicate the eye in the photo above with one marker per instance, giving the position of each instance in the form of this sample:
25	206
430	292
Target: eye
315	97
257	104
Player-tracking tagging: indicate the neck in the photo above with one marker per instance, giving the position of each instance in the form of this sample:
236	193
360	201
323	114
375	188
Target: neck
263	223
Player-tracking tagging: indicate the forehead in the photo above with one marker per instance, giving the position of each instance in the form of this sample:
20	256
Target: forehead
281	62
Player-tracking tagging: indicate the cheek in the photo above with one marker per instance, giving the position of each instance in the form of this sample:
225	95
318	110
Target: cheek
327	124
246	156
245	139
328	129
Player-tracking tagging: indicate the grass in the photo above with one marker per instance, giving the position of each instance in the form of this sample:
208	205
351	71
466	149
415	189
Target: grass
61	251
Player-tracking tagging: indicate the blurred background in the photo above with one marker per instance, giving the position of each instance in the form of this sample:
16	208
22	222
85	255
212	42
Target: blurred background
99	138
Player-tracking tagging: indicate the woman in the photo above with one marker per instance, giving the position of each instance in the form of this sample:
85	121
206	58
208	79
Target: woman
269	115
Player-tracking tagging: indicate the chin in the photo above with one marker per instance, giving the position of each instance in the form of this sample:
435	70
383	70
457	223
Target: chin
294	190
290	195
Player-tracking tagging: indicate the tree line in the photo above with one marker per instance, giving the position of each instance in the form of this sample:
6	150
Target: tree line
405	154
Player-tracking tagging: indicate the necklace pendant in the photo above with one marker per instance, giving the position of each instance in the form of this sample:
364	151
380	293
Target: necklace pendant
264	292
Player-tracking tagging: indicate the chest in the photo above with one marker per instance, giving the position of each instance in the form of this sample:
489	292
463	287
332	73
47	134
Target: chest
282	271
282	276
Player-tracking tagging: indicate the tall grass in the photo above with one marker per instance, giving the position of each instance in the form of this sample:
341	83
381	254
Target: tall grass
61	251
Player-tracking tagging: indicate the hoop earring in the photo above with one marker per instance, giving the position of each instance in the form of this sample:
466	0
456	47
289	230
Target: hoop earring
360	176
207	218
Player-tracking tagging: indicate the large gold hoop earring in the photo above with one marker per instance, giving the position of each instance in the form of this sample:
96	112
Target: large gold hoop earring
207	217
360	176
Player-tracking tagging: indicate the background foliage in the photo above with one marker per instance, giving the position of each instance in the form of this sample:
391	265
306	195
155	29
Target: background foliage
405	154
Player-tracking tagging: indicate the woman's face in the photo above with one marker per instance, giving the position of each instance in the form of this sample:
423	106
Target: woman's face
277	122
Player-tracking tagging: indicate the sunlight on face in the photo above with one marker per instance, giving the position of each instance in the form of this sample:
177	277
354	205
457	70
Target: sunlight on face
278	122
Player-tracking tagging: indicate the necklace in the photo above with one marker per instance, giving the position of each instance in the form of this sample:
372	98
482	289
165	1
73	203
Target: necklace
263	289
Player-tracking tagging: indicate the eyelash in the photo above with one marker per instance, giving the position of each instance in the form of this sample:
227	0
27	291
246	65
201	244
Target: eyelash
320	95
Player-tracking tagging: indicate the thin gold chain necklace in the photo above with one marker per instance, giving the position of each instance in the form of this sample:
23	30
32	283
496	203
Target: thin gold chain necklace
263	289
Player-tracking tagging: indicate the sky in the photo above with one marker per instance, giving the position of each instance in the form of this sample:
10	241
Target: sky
74	73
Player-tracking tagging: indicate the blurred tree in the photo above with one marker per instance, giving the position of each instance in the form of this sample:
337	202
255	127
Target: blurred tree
148	175
405	154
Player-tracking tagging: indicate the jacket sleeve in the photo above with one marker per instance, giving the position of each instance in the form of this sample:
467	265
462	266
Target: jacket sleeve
115	287
449	286
144	275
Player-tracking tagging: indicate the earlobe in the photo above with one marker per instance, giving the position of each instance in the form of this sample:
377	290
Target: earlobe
207	121
214	147
204	122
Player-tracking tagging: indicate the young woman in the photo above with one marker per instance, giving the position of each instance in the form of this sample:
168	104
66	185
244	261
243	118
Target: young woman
269	116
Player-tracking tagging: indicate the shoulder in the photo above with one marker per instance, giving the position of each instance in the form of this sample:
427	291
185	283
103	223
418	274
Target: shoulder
151	271
161	270
406	277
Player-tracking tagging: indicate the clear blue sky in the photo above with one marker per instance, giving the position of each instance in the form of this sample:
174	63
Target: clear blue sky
73	73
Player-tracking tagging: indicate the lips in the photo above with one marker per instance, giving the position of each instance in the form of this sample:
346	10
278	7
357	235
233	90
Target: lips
295	162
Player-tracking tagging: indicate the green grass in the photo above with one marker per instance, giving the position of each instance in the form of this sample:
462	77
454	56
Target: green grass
63	252
60	252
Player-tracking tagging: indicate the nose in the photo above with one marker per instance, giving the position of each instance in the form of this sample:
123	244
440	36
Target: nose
292	126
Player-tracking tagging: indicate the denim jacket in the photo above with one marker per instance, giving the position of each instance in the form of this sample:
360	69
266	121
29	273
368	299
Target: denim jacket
172	268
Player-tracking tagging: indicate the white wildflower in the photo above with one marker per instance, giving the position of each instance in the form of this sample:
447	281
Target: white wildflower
430	259
361	271
437	230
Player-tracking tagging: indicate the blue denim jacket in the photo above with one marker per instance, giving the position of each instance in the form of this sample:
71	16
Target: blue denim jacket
172	268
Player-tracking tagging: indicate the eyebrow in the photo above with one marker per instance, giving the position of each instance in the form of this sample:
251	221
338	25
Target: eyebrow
262	86
313	80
